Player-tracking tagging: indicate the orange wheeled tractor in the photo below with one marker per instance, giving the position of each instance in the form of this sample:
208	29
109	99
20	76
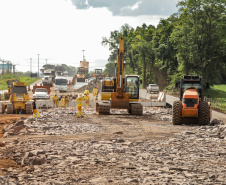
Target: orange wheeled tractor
191	106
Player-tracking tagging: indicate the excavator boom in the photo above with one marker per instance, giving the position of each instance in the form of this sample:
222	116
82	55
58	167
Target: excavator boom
123	89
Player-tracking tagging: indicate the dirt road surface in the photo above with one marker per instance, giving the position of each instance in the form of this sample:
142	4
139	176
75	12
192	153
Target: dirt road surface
59	148
5	120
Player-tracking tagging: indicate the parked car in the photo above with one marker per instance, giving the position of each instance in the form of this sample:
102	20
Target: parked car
152	88
41	93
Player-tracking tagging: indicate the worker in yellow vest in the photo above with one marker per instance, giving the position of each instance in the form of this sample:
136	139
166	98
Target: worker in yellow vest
132	87
95	91
86	97
55	100
66	99
35	111
79	105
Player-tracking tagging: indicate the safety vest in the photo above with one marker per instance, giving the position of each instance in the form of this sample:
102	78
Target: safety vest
55	98
79	101
86	92
94	91
66	98
86	97
131	84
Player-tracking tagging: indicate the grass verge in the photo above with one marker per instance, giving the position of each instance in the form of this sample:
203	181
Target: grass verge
216	95
5	77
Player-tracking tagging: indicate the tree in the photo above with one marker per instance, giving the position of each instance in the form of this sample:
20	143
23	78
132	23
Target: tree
198	39
110	69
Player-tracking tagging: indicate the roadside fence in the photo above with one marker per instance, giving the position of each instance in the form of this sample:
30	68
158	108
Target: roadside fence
217	103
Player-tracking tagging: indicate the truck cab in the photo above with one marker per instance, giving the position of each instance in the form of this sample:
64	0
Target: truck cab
61	84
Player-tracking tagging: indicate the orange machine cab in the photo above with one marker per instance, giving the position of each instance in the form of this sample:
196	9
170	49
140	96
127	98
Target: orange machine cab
190	103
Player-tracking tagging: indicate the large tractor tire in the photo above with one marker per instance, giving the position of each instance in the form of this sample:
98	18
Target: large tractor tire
28	108
177	113
9	109
203	118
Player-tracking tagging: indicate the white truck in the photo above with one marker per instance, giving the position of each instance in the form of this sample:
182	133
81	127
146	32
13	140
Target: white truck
41	93
153	88
61	84
47	81
51	73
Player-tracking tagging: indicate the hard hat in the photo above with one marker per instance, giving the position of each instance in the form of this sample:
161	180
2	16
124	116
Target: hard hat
55	94
65	95
80	95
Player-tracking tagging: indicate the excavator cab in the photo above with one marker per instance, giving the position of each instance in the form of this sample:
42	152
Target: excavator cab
132	86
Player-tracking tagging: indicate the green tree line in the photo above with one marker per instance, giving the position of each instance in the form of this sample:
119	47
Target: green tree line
189	42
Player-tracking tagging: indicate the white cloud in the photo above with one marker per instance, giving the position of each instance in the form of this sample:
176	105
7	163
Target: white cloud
57	31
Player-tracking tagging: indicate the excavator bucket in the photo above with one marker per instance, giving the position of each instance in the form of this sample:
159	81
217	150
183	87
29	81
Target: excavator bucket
120	103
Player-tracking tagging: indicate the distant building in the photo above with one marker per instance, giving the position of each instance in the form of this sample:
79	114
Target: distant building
6	68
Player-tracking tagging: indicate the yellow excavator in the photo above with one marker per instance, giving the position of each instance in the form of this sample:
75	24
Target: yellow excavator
18	100
122	92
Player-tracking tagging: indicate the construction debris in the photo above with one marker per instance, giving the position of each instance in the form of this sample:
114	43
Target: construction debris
120	148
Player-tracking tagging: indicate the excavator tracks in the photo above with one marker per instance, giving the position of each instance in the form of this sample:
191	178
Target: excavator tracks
9	109
135	109
103	108
28	108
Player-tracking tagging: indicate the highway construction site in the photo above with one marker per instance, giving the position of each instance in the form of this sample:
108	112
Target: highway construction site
127	136
59	148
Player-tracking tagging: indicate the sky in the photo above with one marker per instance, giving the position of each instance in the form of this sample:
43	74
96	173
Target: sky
56	31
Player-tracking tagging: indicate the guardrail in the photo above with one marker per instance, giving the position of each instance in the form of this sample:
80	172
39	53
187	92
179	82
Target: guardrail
217	103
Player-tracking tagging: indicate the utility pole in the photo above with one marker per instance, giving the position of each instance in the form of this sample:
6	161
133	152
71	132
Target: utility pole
3	67
14	69
38	66
31	67
8	67
83	55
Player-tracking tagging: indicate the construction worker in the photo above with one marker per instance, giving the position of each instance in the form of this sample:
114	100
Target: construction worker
79	105
66	99
87	90
62	102
35	111
56	100
95	91
132	86
86	97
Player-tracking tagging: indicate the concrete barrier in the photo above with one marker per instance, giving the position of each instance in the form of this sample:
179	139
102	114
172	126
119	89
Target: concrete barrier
162	97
